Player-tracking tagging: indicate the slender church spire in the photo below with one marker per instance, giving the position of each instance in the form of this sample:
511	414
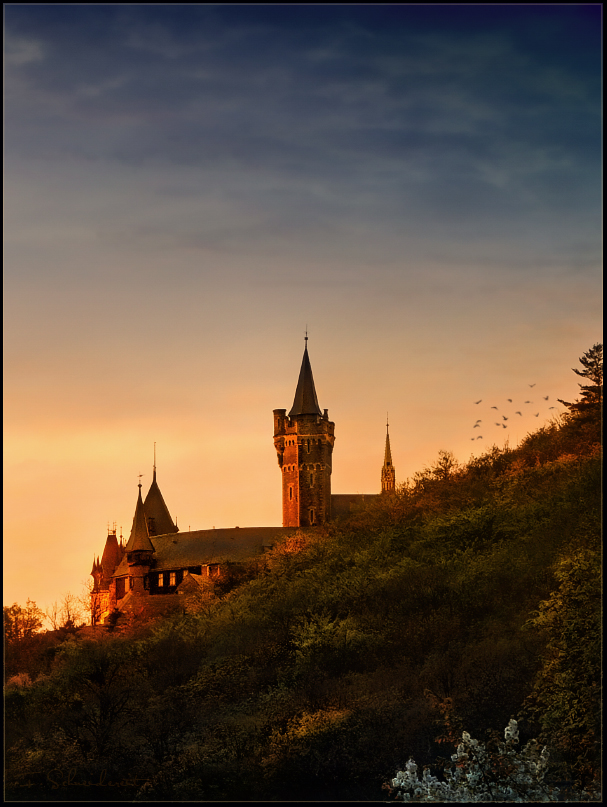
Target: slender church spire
306	402
388	474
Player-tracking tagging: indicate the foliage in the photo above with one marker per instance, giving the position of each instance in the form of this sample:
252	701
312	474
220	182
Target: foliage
483	772
21	623
589	407
566	695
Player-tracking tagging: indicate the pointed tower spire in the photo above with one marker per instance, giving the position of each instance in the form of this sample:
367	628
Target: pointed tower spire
388	474
140	537
306	402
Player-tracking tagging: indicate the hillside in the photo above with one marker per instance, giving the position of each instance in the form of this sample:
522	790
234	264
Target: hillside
470	596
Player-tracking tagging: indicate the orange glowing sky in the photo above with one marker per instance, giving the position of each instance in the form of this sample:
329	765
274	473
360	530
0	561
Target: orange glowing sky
188	187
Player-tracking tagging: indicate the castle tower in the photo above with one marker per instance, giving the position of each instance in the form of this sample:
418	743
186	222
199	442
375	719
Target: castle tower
304	444
159	519
139	551
388	474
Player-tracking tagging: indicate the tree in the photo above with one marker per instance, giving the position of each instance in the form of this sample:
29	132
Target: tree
65	614
566	699
91	601
592	394
479	772
21	623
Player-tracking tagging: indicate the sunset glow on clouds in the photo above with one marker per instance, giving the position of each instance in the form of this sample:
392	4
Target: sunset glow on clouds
188	187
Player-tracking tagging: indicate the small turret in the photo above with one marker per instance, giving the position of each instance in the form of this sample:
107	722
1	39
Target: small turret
139	551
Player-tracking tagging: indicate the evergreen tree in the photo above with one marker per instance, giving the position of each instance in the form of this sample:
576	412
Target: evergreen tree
592	394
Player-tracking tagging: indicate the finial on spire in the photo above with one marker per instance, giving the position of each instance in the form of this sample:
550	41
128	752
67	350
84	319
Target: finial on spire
306	336
154	479
139	475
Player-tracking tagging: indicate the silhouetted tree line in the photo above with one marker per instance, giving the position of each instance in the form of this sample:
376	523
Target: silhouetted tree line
468	598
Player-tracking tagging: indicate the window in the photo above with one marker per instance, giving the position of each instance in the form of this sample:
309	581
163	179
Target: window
160	580
312	515
172	578
311	479
290	492
131	582
308	446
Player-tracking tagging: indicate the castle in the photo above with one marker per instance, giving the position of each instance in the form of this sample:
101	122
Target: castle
158	559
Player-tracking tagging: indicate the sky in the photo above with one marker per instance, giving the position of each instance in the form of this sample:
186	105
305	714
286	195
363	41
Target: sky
189	187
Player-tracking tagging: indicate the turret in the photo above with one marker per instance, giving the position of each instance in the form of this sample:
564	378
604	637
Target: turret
304	442
139	551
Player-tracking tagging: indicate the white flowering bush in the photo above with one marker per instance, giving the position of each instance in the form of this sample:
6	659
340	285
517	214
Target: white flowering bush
480	774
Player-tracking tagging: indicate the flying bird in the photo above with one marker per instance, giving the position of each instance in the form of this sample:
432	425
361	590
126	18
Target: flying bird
509	400
519	413
494	407
532	385
546	397
480	437
537	416
479	421
476	426
528	401
477	402
498	424
504	426
504	417
552	407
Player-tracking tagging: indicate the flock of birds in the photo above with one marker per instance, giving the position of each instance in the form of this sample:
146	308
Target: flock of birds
504	422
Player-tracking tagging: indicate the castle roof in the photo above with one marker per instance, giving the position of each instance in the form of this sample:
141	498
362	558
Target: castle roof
140	538
306	402
156	509
201	547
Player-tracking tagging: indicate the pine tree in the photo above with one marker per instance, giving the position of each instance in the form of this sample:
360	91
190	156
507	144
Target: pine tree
590	404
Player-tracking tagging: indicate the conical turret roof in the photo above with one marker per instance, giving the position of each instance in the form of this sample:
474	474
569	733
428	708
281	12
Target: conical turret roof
306	402
140	538
155	509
